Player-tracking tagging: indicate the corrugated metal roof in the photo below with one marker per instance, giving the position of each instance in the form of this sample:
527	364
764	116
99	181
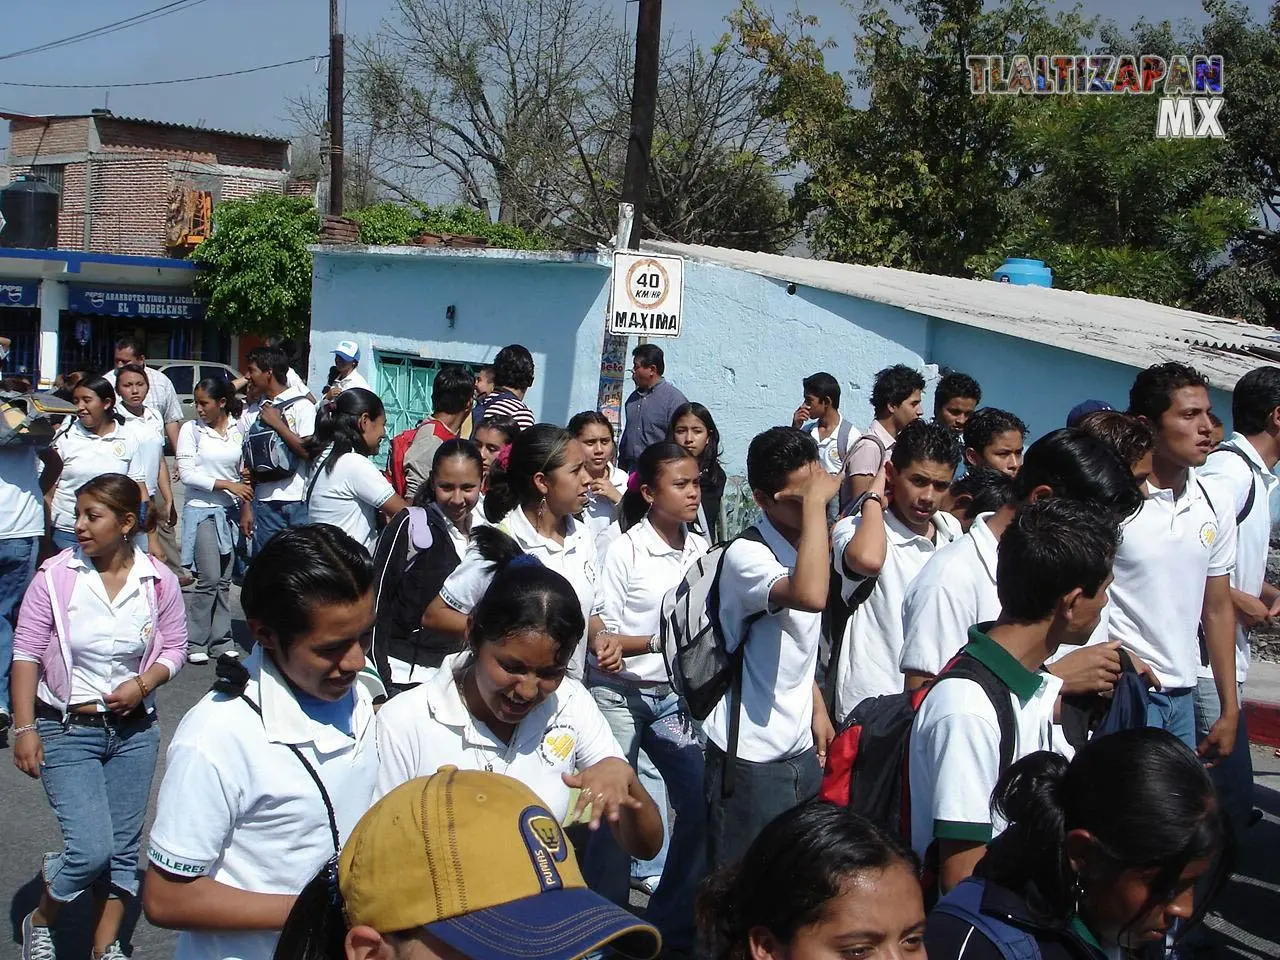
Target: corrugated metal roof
1136	333
150	123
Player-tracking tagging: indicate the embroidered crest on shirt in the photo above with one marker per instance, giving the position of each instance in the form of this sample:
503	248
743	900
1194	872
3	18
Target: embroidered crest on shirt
1208	534
117	448
557	745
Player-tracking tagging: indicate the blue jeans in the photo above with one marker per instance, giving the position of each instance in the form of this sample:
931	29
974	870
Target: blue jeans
651	780
1173	710
1234	775
98	781
17	567
762	792
64	538
652	719
272	516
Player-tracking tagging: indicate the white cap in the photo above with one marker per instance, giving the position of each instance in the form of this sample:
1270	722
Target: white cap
347	350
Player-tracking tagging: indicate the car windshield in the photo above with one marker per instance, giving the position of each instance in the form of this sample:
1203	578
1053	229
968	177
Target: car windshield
181	376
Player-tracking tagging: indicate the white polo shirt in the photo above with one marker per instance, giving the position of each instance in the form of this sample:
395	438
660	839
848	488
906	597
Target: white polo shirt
872	648
352	380
575	560
86	455
780	658
149	429
107	636
349	496
829	447
301	418
1167	551
21	502
955	589
638	572
954	751
204	455
236	805
599	512
430	726
1253	536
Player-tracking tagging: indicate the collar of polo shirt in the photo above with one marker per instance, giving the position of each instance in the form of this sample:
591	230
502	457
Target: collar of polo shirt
447	707
283	718
518	527
1002	663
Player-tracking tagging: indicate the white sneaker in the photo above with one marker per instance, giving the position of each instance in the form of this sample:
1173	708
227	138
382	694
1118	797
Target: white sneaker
113	952
37	942
198	656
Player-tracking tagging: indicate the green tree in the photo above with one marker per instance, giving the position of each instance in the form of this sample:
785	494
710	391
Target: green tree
394	223
255	268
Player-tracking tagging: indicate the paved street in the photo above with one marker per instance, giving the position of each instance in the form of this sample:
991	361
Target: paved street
1244	924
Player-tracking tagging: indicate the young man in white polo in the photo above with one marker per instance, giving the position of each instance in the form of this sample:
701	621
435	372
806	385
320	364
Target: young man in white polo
888	544
957	587
1172	573
1054	564
782	723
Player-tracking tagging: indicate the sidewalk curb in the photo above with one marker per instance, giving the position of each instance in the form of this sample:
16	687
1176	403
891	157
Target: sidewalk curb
1263	720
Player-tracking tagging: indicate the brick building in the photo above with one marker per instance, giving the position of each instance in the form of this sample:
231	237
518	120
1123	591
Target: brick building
135	197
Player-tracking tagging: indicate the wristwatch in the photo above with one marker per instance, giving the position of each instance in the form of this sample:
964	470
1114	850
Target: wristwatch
874	496
655	644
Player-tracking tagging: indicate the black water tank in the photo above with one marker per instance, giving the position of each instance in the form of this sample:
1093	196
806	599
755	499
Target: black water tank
30	209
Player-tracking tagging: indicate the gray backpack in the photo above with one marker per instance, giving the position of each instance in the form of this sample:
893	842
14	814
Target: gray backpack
26	419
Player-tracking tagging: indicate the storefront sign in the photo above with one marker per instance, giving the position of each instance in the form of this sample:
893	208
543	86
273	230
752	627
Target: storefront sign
19	294
135	303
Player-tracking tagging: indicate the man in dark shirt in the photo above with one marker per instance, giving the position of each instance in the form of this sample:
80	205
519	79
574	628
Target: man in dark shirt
650	406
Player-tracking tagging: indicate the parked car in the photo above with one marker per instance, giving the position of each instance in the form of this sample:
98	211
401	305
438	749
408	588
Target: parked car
185	374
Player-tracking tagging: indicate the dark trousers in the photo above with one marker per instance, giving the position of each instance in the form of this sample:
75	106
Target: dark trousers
761	791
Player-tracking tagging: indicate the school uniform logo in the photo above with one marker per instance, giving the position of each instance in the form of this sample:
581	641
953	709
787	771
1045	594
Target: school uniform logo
557	745
1208	534
117	448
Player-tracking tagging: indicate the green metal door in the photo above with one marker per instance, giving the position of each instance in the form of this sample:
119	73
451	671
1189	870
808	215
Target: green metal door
404	384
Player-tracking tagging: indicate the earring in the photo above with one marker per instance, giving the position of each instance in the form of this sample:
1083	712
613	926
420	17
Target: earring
1077	893
542	507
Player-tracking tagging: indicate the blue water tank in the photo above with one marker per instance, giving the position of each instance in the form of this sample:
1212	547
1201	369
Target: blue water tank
1024	272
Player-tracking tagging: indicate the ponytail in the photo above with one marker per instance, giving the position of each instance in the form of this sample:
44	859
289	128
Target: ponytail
339	425
316	928
540	449
1028	797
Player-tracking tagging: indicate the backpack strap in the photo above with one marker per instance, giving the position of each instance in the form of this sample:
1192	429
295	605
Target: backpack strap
753	534
964	903
843	433
317	466
1253	486
970	668
233	678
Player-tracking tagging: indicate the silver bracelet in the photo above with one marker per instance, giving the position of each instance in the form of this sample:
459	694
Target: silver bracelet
655	644
25	728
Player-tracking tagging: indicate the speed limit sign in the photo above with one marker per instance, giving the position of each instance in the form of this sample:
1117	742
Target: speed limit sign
647	291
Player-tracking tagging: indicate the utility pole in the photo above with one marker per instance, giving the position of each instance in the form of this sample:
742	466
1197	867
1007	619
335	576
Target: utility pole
644	99
335	112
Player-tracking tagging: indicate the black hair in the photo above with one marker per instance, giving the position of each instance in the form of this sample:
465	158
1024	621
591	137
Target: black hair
1142	794
507	426
893	387
139	368
457	447
339	425
299	569
823	386
513	368
452	389
648	465
954	385
540	449
586	418
1255	398
483	369
650	355
316	928
272	359
1052	547
987	424
120	495
815	848
774	455
985	489
1077	466
132	343
220	389
523	596
922	441
1152	391
1130	437
106	393
709	460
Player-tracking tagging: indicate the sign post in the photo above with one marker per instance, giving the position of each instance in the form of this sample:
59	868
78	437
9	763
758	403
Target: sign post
647	294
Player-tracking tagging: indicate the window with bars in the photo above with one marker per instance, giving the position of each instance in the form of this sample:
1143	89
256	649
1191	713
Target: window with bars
51	173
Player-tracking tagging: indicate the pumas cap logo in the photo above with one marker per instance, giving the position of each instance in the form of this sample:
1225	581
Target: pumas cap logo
546	844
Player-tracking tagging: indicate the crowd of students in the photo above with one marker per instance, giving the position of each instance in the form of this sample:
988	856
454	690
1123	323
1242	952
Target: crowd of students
458	657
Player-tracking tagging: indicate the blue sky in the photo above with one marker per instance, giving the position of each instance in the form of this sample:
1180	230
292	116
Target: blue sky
221	35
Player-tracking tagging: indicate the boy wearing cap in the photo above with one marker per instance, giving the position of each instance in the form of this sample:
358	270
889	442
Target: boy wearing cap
468	864
346	357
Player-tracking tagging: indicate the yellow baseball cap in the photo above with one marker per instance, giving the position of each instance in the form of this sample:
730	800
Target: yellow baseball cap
477	860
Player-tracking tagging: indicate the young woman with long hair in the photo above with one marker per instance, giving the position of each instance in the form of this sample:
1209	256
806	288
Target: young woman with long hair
606	483
209	450
693	427
420	547
345	488
101	627
132	386
96	442
536	489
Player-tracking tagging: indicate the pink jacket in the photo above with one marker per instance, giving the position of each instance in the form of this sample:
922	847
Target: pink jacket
41	632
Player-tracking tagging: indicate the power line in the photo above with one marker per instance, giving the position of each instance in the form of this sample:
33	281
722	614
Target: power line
157	83
156	13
